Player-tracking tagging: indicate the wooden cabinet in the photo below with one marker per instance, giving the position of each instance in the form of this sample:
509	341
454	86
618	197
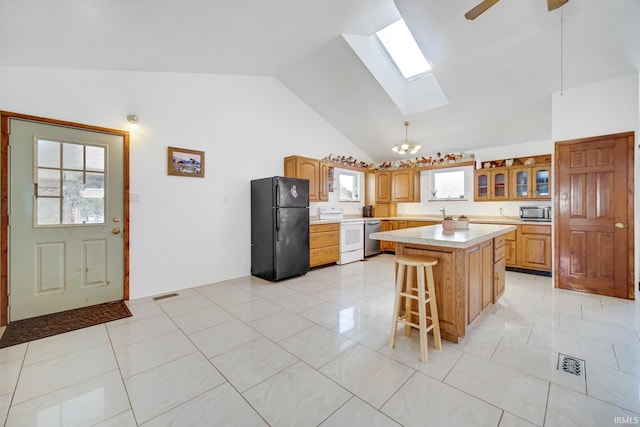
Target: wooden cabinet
411	224
405	185
491	184
534	247
480	278
499	278
387	225
401	185
531	183
324	244
521	183
323	190
306	168
525	178
386	245
482	187
541	182
511	249
383	186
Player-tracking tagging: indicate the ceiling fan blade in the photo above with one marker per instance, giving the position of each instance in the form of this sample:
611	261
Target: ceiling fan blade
554	4
481	8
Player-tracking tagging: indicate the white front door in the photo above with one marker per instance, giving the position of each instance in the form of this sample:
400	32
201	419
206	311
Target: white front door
66	210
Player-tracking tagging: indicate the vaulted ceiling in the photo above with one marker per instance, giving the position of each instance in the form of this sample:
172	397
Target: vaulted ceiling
498	72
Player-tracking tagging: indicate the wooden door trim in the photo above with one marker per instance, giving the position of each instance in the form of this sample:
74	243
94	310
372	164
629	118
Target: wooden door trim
630	137
5	117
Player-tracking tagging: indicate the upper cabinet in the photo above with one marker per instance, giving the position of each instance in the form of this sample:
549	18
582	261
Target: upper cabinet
531	183
516	182
405	185
383	186
491	184
399	185
313	170
541	182
323	191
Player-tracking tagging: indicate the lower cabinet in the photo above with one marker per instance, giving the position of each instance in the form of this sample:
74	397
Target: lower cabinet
387	225
534	247
511	249
480	270
386	245
499	251
324	244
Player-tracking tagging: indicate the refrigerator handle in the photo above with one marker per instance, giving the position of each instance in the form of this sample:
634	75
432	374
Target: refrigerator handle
277	195
277	224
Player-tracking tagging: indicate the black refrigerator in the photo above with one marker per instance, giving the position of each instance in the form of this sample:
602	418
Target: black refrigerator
279	227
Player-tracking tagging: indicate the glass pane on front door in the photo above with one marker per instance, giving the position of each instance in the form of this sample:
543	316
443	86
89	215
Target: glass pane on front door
70	183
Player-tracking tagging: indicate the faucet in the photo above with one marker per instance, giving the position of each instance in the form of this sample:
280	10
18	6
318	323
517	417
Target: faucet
443	212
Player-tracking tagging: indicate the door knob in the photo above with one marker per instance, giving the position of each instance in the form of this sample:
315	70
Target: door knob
116	231
619	225
116	219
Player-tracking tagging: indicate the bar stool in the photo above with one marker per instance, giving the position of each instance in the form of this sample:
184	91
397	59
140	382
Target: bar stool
424	293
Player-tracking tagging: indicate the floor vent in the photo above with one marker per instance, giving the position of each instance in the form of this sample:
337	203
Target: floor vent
570	364
164	296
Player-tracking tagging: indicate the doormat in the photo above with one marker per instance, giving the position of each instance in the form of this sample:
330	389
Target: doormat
26	330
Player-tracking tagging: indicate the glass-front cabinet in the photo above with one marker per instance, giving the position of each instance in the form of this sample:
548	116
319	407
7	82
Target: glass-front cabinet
521	178
500	182
531	183
481	191
528	178
541	182
491	184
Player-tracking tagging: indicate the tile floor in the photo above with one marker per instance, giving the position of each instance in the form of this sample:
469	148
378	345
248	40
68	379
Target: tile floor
313	351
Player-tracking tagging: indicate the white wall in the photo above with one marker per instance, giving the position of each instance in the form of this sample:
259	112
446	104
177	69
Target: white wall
184	231
598	109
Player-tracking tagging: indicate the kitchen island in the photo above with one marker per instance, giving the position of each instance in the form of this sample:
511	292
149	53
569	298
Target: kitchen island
469	275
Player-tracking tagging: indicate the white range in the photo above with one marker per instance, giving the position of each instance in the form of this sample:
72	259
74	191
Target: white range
351	234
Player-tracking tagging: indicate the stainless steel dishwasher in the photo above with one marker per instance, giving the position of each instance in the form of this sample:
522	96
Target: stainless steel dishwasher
371	246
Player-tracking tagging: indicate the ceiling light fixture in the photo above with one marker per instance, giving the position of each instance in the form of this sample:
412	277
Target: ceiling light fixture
133	122
407	146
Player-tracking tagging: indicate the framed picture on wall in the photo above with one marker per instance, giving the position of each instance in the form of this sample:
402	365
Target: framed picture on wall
185	162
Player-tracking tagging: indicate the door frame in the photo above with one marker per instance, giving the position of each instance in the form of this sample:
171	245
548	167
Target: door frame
630	137
5	117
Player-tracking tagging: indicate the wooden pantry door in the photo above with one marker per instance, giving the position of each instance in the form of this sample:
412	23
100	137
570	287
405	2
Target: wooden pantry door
594	230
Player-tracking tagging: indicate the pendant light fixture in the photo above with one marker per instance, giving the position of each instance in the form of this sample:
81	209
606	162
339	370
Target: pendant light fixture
407	147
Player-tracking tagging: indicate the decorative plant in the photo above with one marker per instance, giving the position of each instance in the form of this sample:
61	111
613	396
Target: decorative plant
448	223
462	222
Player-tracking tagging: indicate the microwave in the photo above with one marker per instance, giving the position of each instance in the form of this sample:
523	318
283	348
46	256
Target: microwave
535	213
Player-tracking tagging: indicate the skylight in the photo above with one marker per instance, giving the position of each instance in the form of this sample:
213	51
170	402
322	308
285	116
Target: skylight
402	49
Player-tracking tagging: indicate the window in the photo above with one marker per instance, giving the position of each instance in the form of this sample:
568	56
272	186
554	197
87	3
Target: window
402	50
70	183
449	184
349	183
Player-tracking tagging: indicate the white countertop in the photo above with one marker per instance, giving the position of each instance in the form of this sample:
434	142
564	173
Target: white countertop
434	235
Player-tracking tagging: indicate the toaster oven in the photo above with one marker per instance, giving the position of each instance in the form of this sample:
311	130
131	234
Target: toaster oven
535	213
